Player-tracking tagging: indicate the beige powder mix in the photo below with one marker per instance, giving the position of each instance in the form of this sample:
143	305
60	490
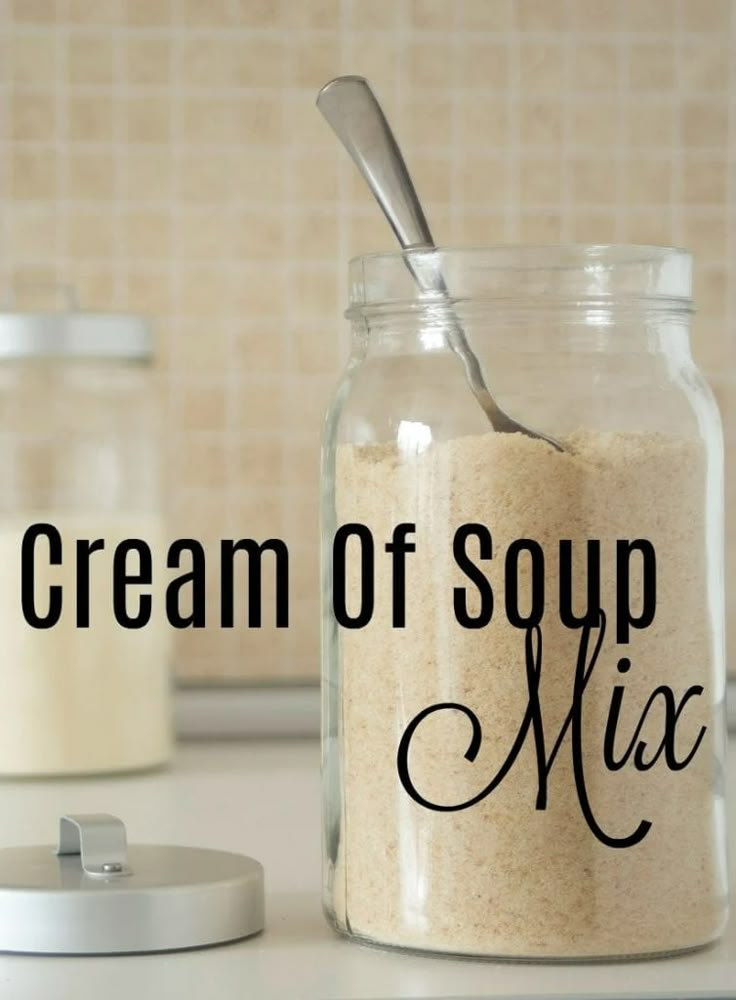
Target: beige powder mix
502	878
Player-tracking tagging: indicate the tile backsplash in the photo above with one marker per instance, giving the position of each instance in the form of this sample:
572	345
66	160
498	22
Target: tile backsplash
165	156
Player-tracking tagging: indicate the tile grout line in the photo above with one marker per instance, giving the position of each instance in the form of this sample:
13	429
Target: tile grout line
343	207
731	187
567	230
289	524
276	33
677	180
120	260
623	72
171	396
455	194
238	93
6	92
512	212
702	152
62	266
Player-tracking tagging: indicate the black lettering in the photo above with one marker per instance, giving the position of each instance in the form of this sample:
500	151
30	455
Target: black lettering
577	752
28	576
121	578
532	719
85	548
398	547
614	713
624	615
196	578
536	610
593	604
667	743
254	551
474	574
367	574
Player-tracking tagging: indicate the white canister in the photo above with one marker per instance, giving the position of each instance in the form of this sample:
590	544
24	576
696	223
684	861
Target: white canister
80	453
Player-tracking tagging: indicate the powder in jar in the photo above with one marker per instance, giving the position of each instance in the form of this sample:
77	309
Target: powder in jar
503	877
81	700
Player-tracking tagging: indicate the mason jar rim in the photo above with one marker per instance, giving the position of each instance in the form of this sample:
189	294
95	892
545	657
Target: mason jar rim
607	273
594	250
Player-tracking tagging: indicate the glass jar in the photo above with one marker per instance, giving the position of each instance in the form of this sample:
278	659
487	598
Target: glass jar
523	663
85	688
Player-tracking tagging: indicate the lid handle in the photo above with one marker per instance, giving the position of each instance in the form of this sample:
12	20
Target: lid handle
99	839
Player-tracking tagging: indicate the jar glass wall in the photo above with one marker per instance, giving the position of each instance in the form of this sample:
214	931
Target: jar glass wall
528	763
80	447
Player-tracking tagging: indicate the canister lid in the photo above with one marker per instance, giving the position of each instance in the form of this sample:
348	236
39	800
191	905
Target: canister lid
94	895
74	335
66	331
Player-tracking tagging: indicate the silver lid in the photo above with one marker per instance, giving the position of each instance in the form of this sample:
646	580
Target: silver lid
74	335
93	895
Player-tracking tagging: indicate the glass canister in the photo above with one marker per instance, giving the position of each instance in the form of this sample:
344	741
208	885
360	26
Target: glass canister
85	657
523	646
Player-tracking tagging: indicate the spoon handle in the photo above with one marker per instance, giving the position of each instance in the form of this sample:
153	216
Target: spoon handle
356	117
352	110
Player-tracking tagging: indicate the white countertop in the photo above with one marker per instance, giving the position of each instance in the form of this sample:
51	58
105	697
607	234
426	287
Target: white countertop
262	798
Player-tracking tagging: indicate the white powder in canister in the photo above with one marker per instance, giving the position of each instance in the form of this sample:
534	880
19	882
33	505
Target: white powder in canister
82	700
502	877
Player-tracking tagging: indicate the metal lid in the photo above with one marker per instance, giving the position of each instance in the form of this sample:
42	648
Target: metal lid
74	335
94	895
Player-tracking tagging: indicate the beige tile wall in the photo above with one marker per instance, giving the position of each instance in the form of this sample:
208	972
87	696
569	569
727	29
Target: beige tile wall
165	156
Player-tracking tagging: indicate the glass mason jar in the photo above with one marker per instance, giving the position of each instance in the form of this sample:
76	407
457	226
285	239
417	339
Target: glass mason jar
82	692
523	662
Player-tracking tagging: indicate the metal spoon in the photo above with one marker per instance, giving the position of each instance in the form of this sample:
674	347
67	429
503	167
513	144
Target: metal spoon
356	117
